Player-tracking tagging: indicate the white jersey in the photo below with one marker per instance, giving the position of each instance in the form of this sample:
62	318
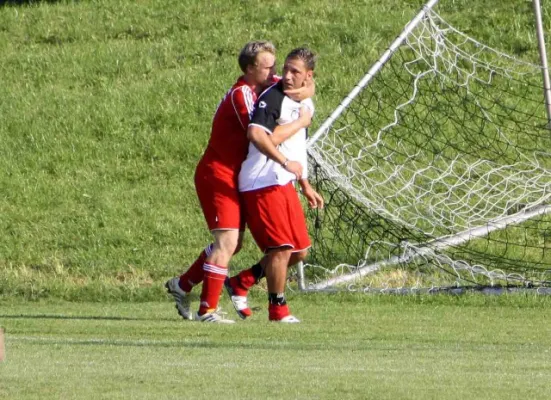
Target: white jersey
274	108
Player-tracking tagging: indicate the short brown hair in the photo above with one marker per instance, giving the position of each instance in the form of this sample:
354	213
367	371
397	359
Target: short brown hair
248	54
304	54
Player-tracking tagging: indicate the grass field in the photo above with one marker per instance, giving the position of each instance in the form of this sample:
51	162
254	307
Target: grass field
348	347
105	108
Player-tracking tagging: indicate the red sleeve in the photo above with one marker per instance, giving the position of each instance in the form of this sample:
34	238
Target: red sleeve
243	104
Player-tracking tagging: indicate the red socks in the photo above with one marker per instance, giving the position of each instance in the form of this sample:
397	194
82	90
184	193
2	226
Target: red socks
194	274
278	312
213	283
241	283
246	279
278	308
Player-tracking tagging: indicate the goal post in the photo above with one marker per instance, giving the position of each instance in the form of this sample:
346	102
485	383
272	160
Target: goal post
435	169
543	59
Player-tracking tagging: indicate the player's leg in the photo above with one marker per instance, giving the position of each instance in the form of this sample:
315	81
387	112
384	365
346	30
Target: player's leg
276	277
251	276
269	213
238	285
226	243
220	205
194	275
180	287
293	223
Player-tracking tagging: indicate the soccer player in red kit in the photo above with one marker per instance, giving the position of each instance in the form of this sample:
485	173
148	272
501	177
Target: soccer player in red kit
216	182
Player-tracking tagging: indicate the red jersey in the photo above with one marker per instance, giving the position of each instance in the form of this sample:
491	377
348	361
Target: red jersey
217	172
228	143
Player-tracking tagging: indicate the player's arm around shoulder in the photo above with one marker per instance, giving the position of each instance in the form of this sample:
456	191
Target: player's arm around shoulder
305	92
283	132
315	200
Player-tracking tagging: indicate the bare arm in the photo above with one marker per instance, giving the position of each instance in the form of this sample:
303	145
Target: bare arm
263	143
314	198
284	132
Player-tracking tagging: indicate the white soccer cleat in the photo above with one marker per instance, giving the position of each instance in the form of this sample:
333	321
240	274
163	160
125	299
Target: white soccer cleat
240	303
289	319
213	317
181	298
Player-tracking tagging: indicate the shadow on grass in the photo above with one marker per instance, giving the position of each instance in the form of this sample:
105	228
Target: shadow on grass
189	343
80	317
25	2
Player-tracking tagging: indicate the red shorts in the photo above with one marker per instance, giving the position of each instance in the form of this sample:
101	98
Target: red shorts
219	198
275	218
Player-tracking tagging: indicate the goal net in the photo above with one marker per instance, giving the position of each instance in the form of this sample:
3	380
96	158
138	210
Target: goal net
436	171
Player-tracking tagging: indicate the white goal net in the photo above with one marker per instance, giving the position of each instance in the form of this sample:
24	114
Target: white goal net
436	170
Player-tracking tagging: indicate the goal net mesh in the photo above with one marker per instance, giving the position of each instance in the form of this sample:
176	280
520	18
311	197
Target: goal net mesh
437	174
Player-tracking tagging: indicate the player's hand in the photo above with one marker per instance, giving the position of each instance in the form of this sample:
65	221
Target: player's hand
305	116
295	168
314	198
305	92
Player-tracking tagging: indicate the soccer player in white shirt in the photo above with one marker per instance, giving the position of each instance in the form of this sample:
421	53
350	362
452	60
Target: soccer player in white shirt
272	208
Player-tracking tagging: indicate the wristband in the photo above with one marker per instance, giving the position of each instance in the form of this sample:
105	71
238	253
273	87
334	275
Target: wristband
284	163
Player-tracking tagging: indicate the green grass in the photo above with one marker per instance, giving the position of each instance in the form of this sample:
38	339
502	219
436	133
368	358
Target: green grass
348	347
106	108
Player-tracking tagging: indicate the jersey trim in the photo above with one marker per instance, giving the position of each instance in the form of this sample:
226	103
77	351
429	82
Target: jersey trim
262	127
249	102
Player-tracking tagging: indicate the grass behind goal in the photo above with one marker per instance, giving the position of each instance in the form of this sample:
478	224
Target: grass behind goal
106	107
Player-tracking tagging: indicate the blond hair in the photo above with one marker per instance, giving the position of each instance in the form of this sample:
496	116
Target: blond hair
251	50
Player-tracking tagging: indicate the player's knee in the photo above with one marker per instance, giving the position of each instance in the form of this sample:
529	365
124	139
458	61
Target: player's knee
230	248
238	247
228	245
280	256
